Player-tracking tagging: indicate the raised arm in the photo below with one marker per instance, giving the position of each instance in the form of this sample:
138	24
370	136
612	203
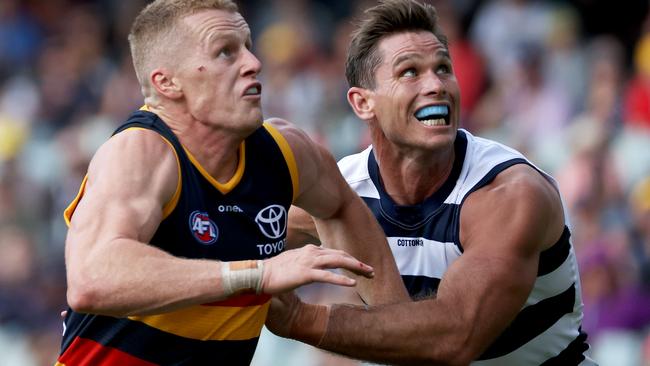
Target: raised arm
112	270
478	297
341	218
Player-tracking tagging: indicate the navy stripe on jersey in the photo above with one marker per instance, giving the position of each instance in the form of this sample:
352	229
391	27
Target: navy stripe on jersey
530	322
489	177
153	345
572	355
417	215
553	257
443	233
421	287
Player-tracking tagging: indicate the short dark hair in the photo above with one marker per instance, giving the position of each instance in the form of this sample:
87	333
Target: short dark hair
386	18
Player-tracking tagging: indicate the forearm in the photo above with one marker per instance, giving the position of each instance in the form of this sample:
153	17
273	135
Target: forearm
390	334
126	277
357	232
473	306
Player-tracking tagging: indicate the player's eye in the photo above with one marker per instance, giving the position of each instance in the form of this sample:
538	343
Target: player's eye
409	73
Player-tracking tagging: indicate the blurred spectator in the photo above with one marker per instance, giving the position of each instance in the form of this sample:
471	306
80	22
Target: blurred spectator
640	229
566	59
501	26
637	98
467	62
20	37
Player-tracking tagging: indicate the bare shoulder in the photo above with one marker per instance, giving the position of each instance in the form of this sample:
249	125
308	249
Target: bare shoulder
322	188
297	138
133	161
518	206
306	152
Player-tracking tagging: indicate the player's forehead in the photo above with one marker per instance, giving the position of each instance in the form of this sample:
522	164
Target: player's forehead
212	24
396	47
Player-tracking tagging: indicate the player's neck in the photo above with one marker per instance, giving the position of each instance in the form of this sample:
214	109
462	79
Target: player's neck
216	150
411	178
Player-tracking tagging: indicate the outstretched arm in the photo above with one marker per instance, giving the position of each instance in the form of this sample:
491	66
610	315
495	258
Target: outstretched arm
478	297
112	270
340	217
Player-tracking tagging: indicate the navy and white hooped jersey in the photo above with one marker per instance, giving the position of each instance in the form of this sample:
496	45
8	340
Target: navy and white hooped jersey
425	241
245	218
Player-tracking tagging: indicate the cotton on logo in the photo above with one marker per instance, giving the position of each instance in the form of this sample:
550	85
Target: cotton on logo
203	229
272	221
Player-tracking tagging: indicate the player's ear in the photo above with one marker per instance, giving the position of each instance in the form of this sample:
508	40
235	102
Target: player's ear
165	84
361	101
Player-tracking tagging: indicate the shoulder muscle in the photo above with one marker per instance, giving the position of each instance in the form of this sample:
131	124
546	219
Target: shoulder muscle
519	207
322	188
134	174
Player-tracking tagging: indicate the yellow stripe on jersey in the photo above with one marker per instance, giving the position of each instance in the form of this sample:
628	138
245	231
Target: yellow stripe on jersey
67	213
59	364
211	322
224	188
288	157
167	209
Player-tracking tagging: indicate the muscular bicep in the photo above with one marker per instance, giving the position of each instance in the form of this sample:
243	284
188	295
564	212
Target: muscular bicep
504	228
130	180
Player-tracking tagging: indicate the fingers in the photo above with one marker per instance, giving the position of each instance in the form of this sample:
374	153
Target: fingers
324	276
309	264
339	259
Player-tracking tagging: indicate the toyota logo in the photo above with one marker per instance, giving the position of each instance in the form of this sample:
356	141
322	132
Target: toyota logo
272	221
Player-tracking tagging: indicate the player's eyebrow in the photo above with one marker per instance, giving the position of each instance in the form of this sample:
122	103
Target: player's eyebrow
414	55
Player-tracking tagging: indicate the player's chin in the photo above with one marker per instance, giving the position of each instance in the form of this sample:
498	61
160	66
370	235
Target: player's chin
439	139
252	115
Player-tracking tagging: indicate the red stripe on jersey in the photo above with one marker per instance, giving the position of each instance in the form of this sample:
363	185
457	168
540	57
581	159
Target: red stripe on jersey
86	352
242	301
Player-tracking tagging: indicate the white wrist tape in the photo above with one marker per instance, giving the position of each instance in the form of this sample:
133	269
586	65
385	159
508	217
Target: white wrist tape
242	275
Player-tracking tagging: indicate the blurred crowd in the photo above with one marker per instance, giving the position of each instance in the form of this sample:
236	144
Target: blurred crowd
565	82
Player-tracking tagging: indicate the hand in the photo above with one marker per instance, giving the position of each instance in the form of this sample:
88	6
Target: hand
289	317
282	314
308	264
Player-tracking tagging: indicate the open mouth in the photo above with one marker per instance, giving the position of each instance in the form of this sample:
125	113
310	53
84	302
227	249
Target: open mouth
433	115
253	90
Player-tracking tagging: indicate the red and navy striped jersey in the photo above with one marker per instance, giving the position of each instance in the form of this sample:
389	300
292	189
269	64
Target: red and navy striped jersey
246	218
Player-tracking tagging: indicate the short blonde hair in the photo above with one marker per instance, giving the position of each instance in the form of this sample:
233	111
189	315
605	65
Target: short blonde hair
150	30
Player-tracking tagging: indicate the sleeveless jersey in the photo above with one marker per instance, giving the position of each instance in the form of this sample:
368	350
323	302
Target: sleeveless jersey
425	241
245	218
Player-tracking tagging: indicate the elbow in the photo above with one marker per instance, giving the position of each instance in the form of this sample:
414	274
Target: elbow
84	295
81	298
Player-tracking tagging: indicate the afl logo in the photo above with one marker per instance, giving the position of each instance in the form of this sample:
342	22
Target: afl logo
272	221
203	229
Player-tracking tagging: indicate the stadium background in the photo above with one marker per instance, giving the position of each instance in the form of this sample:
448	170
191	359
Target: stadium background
566	82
